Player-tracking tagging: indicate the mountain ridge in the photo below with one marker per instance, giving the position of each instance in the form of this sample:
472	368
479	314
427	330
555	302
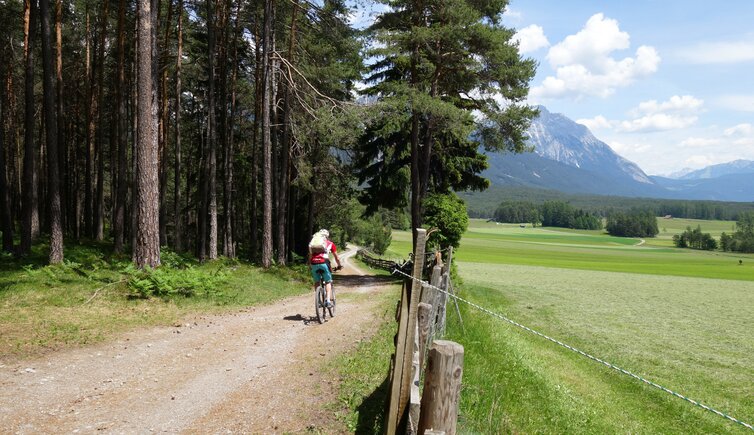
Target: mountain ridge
567	157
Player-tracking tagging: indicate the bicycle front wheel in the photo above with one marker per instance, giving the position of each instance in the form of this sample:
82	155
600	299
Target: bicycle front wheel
319	303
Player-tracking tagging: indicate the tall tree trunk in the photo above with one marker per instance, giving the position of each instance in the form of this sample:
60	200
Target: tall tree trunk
121	128
132	214
221	38
203	203
416	200
164	130
6	222
212	134
266	136
229	249
29	191
416	197
76	168
91	131
13	142
51	129
284	186
146	252
178	216
62	141
99	205
258	92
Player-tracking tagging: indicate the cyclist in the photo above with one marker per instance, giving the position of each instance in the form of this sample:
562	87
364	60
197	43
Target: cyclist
321	261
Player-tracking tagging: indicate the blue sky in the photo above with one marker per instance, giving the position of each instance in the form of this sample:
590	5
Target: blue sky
667	84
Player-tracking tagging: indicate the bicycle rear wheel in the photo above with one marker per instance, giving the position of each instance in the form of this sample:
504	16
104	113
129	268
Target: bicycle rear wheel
331	309
319	303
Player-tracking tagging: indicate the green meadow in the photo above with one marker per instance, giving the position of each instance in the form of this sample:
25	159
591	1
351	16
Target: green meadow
595	250
680	318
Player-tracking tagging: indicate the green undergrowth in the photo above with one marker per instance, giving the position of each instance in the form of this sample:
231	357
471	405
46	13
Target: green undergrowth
363	372
92	295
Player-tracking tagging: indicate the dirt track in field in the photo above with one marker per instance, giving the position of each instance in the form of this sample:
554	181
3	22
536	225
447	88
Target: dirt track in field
253	371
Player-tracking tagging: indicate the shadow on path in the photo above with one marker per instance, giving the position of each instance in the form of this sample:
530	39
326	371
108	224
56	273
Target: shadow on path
301	318
351	280
372	410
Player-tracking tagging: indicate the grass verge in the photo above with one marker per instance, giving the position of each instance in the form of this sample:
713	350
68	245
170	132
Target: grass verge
89	298
363	373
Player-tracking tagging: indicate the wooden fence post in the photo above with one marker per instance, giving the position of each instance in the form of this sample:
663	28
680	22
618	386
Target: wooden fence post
442	304
442	388
425	311
397	368
404	352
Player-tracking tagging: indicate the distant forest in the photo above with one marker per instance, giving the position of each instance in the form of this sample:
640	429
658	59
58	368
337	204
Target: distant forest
484	204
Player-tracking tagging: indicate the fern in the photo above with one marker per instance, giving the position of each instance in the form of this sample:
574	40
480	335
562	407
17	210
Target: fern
169	282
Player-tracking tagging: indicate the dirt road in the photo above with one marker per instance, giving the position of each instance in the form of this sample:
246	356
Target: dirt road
254	371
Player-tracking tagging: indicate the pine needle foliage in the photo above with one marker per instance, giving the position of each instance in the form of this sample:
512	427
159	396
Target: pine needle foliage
447	82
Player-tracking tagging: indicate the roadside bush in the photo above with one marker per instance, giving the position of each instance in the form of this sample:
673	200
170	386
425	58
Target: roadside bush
447	213
374	233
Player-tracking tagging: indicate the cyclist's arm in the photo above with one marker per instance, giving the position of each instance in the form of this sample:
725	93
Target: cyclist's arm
337	259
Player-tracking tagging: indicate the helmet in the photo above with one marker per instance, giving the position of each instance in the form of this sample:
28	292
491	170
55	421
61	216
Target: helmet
324	232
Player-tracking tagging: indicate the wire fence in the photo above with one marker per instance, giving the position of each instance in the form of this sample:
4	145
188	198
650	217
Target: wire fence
580	352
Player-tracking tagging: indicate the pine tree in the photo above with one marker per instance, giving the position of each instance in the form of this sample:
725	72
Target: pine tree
438	62
146	252
30	220
51	134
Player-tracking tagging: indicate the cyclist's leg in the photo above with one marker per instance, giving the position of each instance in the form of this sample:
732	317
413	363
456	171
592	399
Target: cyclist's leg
315	277
326	275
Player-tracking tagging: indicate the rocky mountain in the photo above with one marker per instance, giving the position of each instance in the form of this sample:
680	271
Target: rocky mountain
721	170
569	158
731	187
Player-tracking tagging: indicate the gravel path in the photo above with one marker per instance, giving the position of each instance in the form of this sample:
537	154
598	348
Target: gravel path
254	371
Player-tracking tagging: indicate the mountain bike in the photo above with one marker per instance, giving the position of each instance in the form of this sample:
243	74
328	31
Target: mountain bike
320	296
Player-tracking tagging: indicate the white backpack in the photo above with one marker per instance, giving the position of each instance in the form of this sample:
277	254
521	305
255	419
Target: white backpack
318	244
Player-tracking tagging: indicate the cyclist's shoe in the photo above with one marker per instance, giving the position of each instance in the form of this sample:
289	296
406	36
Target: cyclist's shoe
328	304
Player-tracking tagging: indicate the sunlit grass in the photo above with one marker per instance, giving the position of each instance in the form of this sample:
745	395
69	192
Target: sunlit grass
87	300
487	242
688	334
363	372
672	315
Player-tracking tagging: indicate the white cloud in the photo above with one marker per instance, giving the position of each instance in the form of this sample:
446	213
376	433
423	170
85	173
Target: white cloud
531	38
584	65
742	103
591	45
629	149
676	113
657	122
675	103
700	142
597	123
720	52
745	142
700	161
512	14
740	129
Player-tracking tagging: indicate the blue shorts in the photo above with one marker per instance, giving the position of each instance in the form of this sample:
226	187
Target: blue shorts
325	274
